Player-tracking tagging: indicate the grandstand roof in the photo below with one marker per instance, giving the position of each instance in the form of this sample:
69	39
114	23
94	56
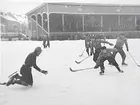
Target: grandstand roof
108	8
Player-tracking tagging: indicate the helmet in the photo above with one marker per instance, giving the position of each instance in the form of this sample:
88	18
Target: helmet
38	49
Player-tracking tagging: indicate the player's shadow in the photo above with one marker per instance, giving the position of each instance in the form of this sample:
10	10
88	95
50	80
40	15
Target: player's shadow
113	74
23	88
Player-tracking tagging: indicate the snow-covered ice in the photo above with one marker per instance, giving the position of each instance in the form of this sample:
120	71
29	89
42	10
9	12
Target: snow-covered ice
63	87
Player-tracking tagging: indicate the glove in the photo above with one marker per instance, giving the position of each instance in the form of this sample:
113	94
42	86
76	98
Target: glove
44	72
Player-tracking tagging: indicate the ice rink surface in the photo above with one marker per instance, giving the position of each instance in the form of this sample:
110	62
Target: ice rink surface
63	87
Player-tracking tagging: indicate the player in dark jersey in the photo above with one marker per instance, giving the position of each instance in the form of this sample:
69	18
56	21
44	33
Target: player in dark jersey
96	44
46	39
25	77
106	54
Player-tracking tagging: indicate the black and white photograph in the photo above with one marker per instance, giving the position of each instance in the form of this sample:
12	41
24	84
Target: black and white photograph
70	52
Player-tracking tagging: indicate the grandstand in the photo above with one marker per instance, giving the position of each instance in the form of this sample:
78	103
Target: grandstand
62	21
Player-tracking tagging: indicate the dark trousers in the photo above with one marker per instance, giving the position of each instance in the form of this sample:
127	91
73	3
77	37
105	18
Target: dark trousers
26	75
121	52
96	54
88	47
87	50
110	59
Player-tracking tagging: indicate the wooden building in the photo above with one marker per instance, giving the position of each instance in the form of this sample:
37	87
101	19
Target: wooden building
71	20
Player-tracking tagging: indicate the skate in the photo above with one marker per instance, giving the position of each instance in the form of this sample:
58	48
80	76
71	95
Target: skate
120	71
12	79
101	73
124	64
95	67
10	82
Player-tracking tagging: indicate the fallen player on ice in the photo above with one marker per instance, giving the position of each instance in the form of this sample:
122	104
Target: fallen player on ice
25	76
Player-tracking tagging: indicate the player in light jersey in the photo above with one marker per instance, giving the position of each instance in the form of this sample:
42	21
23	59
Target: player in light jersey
121	40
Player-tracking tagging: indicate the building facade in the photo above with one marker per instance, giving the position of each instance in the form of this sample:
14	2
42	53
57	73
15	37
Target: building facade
11	27
71	20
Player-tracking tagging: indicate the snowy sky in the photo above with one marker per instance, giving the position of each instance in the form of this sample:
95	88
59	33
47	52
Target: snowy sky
24	6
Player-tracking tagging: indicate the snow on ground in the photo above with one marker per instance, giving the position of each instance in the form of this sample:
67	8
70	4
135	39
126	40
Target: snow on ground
63	87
